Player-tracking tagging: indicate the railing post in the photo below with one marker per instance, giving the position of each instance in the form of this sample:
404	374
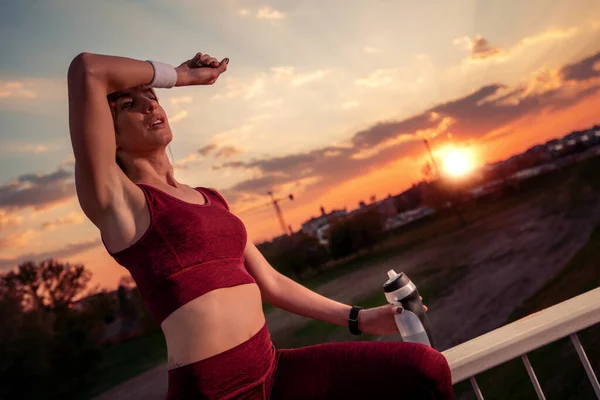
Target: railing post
586	363
534	380
476	388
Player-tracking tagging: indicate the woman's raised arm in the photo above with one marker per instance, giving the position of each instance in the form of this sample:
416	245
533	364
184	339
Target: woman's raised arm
91	78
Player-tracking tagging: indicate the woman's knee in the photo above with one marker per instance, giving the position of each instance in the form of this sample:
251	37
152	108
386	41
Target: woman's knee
433	368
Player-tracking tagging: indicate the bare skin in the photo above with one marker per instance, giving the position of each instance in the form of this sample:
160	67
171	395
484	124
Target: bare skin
110	198
117	206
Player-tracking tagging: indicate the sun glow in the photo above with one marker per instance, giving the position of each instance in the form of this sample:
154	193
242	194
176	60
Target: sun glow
456	162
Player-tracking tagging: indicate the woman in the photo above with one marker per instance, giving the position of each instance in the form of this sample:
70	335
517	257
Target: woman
200	276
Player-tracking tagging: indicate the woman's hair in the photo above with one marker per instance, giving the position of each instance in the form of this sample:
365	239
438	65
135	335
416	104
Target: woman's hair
112	99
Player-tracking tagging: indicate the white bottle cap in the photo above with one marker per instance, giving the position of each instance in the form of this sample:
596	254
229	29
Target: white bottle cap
392	274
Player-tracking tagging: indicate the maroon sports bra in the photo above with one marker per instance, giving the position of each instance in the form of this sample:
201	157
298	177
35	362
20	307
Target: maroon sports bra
188	250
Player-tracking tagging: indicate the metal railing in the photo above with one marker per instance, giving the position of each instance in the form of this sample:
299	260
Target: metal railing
521	337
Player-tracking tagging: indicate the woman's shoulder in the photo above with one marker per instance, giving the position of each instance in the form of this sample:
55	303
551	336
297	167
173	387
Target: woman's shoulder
217	194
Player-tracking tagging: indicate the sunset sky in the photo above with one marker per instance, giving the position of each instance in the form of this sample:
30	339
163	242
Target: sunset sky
327	100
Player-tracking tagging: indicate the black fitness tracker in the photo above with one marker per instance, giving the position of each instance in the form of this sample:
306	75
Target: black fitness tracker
353	320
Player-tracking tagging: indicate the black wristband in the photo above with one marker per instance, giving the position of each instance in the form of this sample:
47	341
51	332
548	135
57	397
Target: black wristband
353	320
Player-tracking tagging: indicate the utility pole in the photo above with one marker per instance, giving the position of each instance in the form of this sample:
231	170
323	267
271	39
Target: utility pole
435	166
280	214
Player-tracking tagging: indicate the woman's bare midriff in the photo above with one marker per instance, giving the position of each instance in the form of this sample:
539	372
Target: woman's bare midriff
213	323
206	326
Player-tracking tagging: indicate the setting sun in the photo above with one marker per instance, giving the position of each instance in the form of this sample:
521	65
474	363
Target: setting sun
456	162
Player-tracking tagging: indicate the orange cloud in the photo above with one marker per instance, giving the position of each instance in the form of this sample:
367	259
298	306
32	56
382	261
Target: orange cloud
289	75
26	148
10	89
264	12
480	50
182	114
236	88
8	220
479	116
74	217
190	159
378	78
267	12
18	240
350	104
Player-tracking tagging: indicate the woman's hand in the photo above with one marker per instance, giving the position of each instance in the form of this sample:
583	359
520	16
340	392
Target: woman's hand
379	320
200	70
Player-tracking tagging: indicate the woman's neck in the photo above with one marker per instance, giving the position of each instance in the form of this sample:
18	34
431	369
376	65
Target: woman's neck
156	170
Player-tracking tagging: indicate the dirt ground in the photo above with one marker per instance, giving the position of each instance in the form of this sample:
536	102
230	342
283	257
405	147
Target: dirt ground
508	256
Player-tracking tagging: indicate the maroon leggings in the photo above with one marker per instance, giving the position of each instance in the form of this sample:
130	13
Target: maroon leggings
351	370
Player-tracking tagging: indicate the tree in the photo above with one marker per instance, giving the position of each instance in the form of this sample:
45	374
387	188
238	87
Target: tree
295	255
42	339
368	227
127	281
360	231
341	241
307	253
50	284
103	305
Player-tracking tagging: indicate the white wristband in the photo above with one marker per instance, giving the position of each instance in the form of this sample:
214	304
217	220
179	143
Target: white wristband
165	75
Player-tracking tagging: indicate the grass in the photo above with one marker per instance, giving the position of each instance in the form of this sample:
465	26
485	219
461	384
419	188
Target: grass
126	360
557	366
434	283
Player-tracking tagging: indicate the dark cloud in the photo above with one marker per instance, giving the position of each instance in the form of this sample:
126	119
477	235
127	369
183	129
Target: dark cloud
329	170
482	111
283	163
219	152
383	131
481	49
231	164
227	152
206	150
263	184
41	179
470	117
38	190
583	70
64	252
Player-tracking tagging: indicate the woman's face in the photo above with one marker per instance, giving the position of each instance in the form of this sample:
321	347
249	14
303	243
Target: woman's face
141	124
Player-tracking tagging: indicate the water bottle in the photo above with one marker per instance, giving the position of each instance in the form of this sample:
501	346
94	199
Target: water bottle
412	323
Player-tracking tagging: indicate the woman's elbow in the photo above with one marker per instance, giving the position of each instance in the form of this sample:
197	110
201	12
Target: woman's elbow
83	65
269	288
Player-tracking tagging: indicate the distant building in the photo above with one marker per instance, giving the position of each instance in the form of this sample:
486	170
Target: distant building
533	171
410	198
323	234
386	207
406	217
311	226
405	207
